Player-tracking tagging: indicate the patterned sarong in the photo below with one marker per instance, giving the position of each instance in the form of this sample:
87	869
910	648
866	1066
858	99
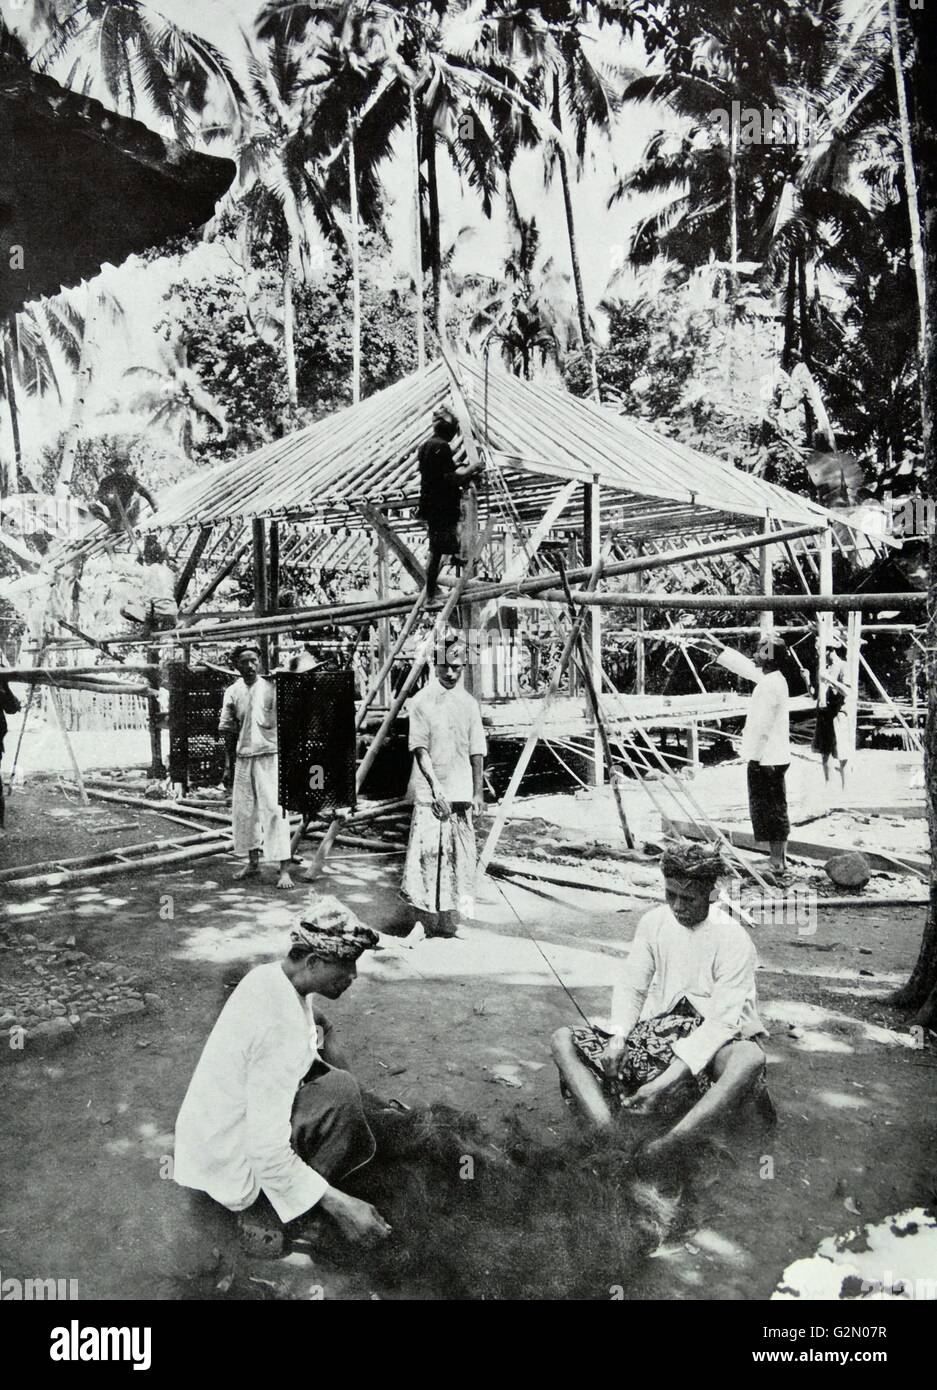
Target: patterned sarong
648	1050
439	870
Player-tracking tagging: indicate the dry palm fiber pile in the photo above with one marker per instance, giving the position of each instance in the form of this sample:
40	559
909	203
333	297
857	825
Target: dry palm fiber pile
529	1222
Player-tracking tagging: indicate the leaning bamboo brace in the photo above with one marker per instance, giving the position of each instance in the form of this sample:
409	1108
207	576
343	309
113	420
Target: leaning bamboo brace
684	1033
249	724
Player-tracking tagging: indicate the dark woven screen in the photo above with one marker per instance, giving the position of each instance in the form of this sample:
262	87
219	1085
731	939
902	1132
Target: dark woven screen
196	749
316	730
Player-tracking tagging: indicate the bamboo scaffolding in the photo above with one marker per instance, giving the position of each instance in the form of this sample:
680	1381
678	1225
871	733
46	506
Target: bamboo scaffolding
416	667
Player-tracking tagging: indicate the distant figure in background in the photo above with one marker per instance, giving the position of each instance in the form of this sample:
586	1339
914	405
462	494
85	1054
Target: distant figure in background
766	746
9	704
249	724
119	496
441	484
833	734
448	746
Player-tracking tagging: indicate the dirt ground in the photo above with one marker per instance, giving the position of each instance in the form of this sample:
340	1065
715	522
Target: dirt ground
87	1136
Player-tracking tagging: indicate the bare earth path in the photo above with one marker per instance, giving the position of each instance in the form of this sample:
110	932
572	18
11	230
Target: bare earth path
87	1132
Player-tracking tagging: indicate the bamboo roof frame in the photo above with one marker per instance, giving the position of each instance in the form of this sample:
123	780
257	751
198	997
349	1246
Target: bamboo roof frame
537	437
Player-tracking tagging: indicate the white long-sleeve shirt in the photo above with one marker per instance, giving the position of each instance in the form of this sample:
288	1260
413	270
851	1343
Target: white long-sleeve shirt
233	1131
251	709
712	965
766	737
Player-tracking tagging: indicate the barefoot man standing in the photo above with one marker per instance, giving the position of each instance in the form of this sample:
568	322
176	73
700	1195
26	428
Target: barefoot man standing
249	724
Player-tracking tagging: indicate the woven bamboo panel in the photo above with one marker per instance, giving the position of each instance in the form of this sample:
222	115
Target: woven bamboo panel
316	739
196	748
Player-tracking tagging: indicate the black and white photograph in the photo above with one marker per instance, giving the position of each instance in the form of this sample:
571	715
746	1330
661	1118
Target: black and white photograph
468	668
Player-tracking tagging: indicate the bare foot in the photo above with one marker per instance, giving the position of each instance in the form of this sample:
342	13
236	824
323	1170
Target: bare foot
284	881
249	871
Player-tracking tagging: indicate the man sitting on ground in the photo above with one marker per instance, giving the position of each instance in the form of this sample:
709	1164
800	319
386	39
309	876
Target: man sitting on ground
272	1108
684	1017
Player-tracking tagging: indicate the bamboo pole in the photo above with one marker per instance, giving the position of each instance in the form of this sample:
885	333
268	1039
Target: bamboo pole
337	613
601	733
89	860
533	737
798	603
140	862
390	658
416	667
57	711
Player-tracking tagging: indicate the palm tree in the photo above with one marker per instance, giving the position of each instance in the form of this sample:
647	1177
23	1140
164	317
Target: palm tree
29	343
135	53
175	400
279	199
102	310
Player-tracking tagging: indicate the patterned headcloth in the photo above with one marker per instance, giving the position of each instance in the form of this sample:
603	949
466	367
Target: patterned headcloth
332	931
694	861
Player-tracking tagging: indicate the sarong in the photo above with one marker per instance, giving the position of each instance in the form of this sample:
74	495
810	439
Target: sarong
767	802
648	1050
330	1131
831	734
439	870
256	817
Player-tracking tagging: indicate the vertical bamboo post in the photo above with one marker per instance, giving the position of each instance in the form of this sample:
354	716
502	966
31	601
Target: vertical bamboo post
259	550
383	627
273	584
470	615
853	649
640	653
157	766
766	579
824	620
592	545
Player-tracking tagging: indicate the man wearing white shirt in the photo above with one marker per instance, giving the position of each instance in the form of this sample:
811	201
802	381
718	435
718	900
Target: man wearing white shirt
271	1108
249	725
766	745
446	785
684	1017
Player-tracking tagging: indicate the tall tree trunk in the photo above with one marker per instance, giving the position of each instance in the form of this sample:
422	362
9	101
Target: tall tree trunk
921	990
790	315
585	338
418	238
733	293
76	417
355	267
435	244
806	341
289	341
9	381
910	178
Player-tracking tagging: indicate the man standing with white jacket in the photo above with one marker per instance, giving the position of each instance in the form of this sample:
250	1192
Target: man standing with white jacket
766	743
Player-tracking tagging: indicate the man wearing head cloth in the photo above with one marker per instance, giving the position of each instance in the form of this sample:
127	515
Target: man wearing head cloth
441	484
272	1114
249	724
684	1031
